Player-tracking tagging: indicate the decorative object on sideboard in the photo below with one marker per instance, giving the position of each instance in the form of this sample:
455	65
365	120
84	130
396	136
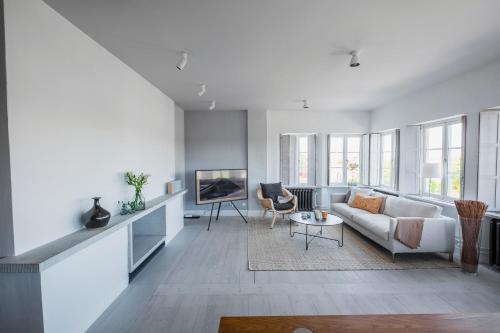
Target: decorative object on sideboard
138	182
471	214
96	217
125	208
174	186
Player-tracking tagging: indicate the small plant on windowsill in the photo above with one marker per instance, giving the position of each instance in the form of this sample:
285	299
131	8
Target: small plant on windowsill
138	182
353	166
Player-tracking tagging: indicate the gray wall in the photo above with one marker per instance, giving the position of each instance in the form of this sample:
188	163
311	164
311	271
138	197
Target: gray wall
214	140
180	160
6	227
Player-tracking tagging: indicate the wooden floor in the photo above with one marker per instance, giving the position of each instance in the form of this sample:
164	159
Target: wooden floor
203	275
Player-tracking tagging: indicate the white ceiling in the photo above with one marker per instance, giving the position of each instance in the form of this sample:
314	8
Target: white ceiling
270	53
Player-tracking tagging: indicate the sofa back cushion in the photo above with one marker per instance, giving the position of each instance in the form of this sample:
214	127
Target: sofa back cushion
401	207
368	203
354	190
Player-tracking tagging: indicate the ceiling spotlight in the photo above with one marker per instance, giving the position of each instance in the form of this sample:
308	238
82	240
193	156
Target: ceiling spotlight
183	62
212	105
203	89
306	104
354	59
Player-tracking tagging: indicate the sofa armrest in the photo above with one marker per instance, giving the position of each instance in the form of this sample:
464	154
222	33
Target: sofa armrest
337	197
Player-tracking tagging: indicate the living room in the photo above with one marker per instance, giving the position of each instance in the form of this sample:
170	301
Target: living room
228	166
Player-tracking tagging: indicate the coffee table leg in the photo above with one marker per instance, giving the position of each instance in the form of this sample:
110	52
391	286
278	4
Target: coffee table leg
307	244
342	228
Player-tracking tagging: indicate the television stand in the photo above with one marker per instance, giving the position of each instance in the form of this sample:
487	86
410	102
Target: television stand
218	211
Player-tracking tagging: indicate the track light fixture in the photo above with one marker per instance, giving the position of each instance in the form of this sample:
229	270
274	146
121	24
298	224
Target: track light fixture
203	89
306	104
183	62
212	106
354	59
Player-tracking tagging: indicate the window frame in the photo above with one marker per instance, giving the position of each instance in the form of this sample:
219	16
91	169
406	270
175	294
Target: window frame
445	147
395	138
345	153
296	158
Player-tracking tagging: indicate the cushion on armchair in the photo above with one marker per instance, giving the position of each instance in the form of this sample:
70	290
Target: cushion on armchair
271	191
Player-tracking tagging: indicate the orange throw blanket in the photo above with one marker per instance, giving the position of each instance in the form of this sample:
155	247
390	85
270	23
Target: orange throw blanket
409	231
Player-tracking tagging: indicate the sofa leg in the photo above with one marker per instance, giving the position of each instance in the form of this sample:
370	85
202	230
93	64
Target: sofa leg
274	220
394	257
450	256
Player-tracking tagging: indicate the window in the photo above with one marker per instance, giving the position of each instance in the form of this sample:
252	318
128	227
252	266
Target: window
384	159
488	179
344	159
442	159
387	158
298	159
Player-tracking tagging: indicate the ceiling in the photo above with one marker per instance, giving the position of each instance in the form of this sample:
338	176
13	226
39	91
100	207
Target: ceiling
271	54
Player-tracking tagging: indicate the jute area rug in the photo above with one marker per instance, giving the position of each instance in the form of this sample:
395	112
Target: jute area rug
275	250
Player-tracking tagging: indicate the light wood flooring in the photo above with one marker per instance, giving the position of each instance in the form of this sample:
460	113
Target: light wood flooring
202	275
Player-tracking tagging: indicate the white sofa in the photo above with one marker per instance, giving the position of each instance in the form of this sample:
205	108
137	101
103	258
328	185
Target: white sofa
438	234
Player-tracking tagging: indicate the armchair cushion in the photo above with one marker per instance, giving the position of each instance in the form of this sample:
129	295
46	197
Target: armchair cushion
271	191
283	206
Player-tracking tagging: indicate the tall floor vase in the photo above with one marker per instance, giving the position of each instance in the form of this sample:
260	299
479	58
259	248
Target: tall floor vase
471	214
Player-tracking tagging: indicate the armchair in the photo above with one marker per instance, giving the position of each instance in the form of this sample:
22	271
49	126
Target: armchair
268	205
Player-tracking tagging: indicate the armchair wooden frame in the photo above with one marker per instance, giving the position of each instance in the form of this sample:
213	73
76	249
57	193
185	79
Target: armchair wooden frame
268	205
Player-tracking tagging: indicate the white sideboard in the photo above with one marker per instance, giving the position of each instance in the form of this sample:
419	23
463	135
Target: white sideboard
65	285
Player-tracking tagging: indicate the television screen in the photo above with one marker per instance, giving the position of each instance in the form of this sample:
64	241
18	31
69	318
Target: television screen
221	185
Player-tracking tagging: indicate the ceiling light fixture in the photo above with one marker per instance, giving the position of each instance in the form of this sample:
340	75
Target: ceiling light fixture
354	59
183	62
306	104
212	106
203	89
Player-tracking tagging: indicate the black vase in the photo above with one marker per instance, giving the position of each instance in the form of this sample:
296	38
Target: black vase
96	217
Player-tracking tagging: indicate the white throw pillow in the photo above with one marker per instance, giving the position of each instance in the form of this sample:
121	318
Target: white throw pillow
355	190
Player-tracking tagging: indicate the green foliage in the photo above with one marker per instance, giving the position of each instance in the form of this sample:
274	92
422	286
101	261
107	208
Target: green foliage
137	181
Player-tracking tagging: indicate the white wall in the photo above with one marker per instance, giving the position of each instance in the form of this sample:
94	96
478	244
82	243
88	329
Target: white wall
466	94
180	161
78	118
319	122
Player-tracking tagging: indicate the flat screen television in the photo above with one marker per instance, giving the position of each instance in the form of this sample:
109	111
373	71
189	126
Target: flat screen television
221	185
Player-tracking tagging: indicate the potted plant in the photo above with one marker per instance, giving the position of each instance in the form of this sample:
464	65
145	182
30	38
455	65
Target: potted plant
138	182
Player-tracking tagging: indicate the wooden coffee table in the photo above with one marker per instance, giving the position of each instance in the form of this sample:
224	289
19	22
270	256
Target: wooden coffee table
437	323
331	220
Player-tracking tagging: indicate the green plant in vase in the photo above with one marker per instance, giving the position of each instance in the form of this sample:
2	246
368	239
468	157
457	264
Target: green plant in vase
138	182
353	167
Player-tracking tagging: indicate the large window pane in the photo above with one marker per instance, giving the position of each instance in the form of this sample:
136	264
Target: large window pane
336	175
434	137
455	135
336	144
303	160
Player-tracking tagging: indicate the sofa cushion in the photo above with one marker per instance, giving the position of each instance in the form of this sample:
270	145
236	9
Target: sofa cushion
354	190
380	195
378	224
347	210
368	203
402	207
